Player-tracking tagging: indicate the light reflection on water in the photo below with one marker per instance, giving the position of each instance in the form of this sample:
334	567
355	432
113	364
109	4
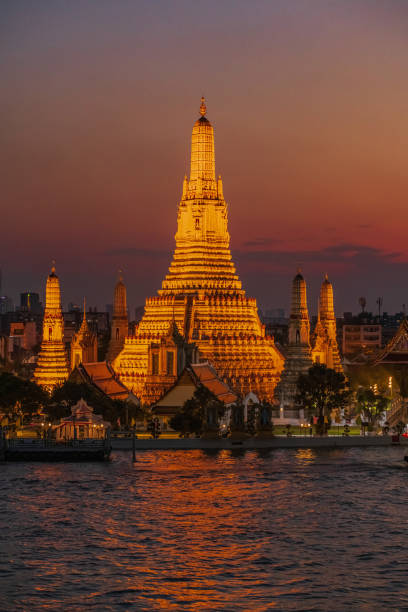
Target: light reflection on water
284	530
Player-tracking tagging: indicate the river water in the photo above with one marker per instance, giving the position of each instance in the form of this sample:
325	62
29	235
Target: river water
193	530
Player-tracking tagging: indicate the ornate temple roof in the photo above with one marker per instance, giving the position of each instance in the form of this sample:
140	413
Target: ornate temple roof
208	377
100	375
396	351
186	384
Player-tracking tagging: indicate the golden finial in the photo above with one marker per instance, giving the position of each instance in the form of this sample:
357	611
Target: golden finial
203	108
53	266
120	275
326	277
299	270
84	307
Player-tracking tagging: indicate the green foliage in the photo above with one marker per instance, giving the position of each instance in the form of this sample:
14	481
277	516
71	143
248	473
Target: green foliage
371	407
26	394
367	376
320	392
193	416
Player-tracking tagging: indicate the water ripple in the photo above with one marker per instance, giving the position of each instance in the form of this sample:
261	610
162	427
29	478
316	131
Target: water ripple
282	530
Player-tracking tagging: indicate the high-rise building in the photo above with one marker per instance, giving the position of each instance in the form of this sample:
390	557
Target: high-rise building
30	302
52	365
6	304
298	352
325	348
120	321
201	302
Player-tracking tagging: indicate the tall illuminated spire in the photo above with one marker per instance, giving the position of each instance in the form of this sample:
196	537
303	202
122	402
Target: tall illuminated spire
297	353
201	296
84	345
202	168
52	364
120	322
202	259
325	349
299	326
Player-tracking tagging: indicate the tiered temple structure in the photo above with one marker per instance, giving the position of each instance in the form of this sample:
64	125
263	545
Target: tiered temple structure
298	352
120	321
52	365
201	305
325	349
84	345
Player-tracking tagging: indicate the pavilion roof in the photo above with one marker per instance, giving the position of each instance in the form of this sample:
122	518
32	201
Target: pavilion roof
101	376
396	351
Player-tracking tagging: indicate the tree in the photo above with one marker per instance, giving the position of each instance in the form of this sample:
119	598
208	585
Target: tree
196	412
371	407
320	392
24	395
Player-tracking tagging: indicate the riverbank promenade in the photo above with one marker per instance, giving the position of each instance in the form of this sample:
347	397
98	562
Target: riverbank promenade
275	442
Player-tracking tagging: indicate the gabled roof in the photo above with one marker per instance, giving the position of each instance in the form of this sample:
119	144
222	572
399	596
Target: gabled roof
208	377
102	377
188	381
396	350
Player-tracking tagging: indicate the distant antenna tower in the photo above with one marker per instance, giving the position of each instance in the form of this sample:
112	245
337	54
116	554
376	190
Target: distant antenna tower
379	303
362	302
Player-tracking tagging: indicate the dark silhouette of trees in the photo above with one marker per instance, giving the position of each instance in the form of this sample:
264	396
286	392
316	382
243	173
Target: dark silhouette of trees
196	412
320	392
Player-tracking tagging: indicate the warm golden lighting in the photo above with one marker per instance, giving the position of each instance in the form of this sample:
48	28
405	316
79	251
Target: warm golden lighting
84	345
201	301
325	349
52	365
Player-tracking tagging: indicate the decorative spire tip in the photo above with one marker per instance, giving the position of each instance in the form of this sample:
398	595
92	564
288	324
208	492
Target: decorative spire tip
203	108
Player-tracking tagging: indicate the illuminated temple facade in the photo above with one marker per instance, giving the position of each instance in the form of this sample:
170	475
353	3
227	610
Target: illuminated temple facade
84	345
324	344
201	312
52	366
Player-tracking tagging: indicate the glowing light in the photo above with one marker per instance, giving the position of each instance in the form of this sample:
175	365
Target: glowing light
201	300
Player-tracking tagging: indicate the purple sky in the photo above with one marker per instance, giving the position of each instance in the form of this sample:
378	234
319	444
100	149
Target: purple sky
309	103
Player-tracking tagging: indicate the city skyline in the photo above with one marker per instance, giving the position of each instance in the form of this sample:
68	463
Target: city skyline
309	134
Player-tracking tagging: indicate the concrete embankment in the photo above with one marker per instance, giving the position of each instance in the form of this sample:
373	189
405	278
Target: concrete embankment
254	443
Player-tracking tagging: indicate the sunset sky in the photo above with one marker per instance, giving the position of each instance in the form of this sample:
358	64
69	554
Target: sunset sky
309	101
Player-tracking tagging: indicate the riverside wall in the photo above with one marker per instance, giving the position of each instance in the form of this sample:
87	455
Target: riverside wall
255	443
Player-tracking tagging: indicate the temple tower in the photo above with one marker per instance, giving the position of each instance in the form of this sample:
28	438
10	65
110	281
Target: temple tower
202	293
84	345
120	321
298	352
325	349
52	364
